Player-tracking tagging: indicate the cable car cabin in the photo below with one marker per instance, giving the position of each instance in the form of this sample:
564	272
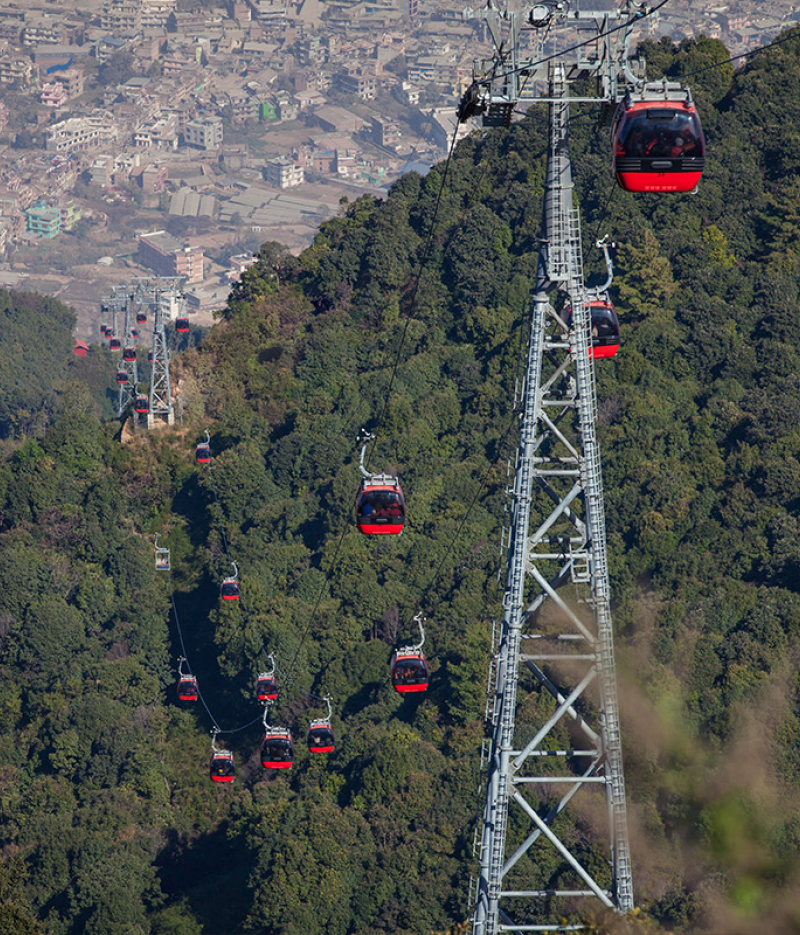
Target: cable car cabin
122	377
230	589
658	143
134	333
266	687
222	768
605	327
129	354
141	405
187	688
104	330
202	453
141	318
380	508
277	751
115	344
181	325
320	736
409	671
149	357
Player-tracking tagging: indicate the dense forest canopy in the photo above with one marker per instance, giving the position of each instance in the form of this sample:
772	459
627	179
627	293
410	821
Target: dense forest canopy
109	820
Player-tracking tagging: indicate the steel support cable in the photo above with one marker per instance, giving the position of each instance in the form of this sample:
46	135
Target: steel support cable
574	48
484	479
233	730
243	606
426	253
735	58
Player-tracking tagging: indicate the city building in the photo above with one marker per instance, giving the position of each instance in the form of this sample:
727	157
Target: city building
79	134
43	221
54	94
159	133
73	81
205	133
101	170
122	17
167	256
70	215
283	173
16	70
156	12
153	178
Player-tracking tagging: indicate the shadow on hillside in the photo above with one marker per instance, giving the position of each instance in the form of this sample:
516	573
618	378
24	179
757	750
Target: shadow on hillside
211	875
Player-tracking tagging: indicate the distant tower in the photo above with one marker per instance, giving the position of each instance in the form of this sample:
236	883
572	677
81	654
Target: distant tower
127	390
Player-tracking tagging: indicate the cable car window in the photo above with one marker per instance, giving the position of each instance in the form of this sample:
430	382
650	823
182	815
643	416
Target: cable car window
660	134
381	504
410	671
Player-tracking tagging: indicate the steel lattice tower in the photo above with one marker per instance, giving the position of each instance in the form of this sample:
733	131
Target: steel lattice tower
127	391
160	389
553	652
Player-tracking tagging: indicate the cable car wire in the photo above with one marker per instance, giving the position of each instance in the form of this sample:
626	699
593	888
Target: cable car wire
412	302
735	58
243	605
214	721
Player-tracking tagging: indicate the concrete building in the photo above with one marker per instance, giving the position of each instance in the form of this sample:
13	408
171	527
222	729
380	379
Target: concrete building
70	215
283	173
122	17
359	81
16	70
73	81
204	133
162	253
79	134
54	94
43	221
153	178
101	170
156	12
159	133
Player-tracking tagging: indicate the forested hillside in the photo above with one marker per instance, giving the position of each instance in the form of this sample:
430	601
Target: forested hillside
109	821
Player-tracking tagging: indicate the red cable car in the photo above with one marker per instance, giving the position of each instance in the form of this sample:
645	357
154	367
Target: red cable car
266	687
320	737
141	318
149	357
222	767
134	333
277	751
605	327
187	688
409	670
122	377
129	354
104	330
320	733
230	586
181	325
115	344
380	508
657	140
187	683
202	453
142	404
